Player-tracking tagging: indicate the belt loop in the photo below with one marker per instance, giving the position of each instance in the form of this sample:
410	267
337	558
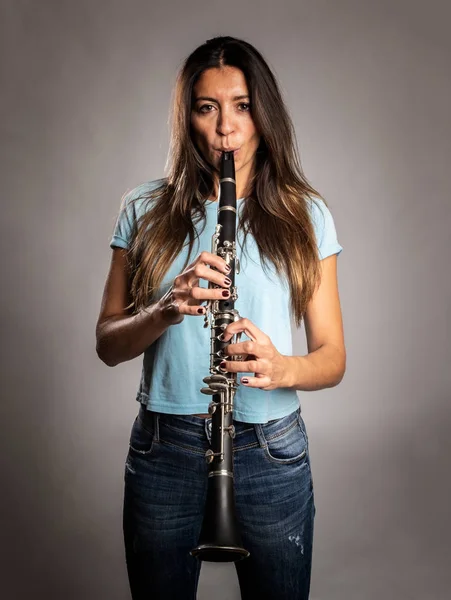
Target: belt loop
260	435
156	426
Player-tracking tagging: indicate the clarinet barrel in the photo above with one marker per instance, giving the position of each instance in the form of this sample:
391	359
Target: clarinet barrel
220	539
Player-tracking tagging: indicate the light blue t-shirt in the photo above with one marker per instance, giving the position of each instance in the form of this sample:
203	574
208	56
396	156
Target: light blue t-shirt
176	363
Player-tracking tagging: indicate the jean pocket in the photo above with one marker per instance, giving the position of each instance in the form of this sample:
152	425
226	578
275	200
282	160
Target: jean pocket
141	438
286	446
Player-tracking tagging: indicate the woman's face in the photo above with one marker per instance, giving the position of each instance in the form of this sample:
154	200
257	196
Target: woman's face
221	119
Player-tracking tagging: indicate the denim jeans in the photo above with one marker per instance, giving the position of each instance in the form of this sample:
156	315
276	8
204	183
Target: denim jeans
164	498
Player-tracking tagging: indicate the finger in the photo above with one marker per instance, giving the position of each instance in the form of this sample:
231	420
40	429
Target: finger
256	382
246	326
209	259
247	347
193	310
180	301
189	297
238	366
214	260
201	271
202	294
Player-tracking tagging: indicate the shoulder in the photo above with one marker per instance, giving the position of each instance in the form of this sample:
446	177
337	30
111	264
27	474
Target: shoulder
134	204
318	210
324	226
136	200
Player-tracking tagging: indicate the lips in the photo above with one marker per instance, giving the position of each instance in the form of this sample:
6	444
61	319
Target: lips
221	150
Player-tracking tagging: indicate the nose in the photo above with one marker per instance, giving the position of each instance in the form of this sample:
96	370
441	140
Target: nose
225	124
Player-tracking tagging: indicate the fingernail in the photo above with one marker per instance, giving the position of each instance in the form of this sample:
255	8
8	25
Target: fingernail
226	294
222	365
227	269
200	311
227	281
244	380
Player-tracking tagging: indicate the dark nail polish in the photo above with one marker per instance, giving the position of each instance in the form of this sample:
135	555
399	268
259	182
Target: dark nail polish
227	281
200	311
226	294
227	268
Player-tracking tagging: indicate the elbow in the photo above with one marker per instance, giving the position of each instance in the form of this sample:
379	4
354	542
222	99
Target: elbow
108	363
104	346
104	356
339	378
339	368
341	374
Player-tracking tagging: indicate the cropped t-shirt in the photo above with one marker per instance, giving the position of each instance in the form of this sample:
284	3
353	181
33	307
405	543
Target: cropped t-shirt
175	364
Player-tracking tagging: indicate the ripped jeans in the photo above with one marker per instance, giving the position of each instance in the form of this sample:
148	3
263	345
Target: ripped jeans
164	499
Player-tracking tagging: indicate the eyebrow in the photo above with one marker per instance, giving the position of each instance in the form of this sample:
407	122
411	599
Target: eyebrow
214	99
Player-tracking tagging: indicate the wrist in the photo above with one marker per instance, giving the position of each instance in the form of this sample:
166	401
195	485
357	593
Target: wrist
168	313
290	369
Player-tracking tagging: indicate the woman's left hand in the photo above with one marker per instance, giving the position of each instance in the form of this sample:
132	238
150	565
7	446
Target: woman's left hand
260	356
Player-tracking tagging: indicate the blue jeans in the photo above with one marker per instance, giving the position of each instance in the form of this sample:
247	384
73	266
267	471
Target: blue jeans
164	498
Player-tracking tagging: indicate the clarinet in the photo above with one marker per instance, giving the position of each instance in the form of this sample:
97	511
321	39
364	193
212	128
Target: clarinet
220	540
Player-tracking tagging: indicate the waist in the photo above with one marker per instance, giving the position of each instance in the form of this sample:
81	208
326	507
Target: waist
197	426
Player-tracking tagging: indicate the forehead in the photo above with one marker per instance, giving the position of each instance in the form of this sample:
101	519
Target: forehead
222	83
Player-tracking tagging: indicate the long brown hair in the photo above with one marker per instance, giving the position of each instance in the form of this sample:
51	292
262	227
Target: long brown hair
275	210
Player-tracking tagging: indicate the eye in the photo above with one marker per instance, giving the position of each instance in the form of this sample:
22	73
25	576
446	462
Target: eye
246	104
201	109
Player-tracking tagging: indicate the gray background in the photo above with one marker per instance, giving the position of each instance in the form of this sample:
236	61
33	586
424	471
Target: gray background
84	102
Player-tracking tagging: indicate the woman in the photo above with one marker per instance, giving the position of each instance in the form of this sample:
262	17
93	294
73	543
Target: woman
226	98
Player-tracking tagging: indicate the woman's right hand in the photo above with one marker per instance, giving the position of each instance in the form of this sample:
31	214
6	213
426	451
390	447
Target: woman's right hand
185	295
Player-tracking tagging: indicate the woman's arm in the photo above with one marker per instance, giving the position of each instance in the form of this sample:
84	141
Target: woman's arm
325	364
120	335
